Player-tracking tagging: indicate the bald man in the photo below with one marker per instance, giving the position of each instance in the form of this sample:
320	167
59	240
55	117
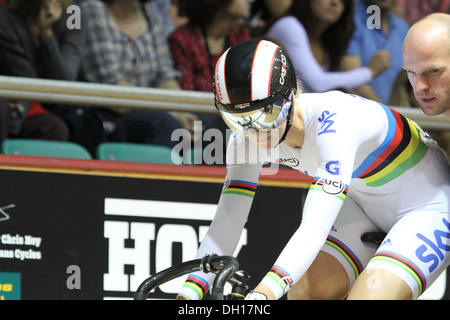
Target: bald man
426	58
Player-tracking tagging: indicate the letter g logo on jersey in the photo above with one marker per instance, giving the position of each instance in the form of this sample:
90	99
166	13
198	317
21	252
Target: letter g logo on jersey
333	167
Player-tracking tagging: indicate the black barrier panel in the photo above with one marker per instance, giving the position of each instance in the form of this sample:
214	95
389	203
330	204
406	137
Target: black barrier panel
58	242
73	236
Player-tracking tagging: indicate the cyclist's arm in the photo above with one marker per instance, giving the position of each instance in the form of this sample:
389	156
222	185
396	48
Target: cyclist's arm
225	231
319	213
336	152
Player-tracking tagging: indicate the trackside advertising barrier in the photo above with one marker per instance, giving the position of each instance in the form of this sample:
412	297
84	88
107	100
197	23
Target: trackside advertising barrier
89	229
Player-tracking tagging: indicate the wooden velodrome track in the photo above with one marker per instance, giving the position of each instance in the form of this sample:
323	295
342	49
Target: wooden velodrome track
282	178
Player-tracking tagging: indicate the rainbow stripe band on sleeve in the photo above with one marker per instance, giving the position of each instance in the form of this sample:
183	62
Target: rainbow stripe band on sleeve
348	254
240	187
401	150
197	285
280	277
404	264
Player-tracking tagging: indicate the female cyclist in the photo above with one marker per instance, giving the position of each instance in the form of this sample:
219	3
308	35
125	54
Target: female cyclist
374	170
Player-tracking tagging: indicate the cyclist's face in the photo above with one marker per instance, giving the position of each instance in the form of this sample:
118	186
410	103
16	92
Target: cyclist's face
266	139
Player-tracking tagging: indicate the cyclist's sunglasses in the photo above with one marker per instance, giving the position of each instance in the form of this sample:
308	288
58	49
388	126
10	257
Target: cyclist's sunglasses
261	115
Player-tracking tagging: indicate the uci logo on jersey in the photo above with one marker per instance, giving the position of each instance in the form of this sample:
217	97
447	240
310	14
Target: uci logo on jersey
291	162
327	123
333	187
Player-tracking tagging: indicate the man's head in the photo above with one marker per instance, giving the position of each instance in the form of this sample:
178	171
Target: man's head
426	58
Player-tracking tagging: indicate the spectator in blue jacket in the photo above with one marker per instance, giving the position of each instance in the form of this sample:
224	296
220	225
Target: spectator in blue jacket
376	28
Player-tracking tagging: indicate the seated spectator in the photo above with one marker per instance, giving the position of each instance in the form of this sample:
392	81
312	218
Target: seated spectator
213	27
167	11
177	14
264	12
414	10
35	42
316	35
277	8
126	45
388	32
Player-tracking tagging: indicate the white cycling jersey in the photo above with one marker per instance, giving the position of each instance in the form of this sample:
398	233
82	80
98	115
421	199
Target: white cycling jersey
372	169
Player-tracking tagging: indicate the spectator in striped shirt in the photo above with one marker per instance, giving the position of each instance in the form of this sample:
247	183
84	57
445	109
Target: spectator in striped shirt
126	45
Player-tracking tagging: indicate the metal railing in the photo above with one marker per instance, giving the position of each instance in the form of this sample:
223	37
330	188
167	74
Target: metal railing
106	95
95	94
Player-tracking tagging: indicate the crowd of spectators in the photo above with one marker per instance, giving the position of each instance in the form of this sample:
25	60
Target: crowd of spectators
36	43
319	33
334	44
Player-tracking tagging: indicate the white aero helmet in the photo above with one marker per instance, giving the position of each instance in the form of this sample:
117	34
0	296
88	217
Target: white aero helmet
254	83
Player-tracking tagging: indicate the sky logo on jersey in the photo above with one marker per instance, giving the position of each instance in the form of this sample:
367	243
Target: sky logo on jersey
327	123
332	187
433	250
333	167
401	150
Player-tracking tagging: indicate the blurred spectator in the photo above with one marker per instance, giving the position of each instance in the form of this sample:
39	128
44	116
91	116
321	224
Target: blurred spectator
375	32
277	8
214	26
176	13
195	47
264	13
316	35
413	10
162	9
35	42
126	46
